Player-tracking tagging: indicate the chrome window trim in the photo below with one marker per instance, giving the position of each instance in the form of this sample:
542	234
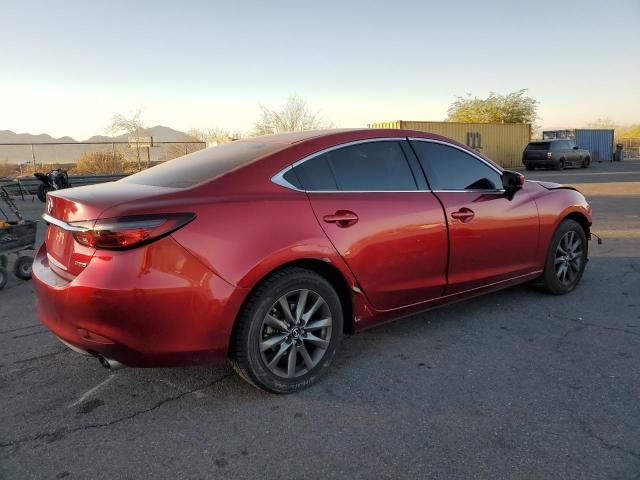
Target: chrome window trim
278	178
63	225
470	191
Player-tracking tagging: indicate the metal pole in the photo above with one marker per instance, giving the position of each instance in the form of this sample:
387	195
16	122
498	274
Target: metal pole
33	157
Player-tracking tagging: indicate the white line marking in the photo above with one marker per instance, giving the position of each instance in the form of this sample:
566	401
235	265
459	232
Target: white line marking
91	391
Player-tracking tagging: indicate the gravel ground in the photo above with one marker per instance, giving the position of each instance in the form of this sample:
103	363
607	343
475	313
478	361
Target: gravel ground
516	384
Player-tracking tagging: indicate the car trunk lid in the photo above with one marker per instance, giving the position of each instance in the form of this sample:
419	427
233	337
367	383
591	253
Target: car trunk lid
65	208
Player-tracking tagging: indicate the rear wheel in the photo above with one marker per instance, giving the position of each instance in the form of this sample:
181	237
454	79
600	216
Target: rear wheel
528	166
288	331
22	267
586	162
566	258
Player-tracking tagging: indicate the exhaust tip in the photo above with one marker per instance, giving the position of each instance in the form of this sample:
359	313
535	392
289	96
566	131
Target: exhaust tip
109	364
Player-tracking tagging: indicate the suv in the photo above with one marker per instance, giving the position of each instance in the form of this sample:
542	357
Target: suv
555	153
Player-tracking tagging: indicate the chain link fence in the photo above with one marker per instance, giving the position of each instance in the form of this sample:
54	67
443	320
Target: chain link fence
630	148
23	159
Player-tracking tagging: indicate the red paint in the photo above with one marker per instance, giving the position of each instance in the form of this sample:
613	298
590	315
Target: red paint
174	301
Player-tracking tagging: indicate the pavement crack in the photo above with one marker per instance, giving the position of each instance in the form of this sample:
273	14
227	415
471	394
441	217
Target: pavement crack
46	355
31	334
603	327
561	341
591	433
59	434
604	443
21	328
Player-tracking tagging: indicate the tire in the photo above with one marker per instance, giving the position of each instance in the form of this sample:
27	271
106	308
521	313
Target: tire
269	368
4	261
23	267
561	164
586	162
42	192
528	166
568	232
4	276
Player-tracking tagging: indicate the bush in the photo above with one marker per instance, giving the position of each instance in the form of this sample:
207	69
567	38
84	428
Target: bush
94	163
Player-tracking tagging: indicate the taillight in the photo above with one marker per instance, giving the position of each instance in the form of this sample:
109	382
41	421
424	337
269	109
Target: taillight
128	232
549	154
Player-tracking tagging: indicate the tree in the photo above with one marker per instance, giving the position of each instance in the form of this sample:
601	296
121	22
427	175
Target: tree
215	135
133	126
294	116
606	123
94	163
514	107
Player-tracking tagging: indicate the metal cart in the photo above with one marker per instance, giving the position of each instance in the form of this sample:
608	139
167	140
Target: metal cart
17	237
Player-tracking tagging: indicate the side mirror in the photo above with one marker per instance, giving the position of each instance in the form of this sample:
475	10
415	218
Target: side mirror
575	147
511	182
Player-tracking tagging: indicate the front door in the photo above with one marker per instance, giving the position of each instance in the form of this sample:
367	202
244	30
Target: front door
491	237
392	235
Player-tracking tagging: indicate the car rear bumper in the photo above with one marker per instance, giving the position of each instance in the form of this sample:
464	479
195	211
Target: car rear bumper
541	163
154	306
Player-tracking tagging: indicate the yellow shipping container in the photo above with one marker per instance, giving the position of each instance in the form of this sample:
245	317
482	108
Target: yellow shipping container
501	142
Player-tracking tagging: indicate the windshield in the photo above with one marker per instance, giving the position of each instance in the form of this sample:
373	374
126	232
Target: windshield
202	165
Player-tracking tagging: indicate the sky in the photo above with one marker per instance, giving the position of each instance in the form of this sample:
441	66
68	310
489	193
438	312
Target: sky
67	67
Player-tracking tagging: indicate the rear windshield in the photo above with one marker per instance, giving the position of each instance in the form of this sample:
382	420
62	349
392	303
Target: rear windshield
539	146
203	165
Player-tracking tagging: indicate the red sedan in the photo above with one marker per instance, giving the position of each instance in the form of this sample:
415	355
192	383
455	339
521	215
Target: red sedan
266	250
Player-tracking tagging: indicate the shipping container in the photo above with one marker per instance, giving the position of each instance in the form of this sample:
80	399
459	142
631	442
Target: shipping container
599	141
556	134
501	142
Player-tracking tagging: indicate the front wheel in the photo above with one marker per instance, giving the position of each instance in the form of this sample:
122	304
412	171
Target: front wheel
288	331
566	258
561	164
586	162
42	192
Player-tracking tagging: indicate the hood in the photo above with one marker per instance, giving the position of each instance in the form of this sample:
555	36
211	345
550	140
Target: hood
552	185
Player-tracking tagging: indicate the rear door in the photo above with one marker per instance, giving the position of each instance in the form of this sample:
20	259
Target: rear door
491	237
379	216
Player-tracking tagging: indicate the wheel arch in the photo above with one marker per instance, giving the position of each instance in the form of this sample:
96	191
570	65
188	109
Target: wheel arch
326	270
581	219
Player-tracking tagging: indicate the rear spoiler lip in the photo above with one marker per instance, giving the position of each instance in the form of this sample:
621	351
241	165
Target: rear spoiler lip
63	225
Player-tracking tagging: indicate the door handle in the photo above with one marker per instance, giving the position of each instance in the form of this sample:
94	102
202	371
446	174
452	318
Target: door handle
342	218
465	215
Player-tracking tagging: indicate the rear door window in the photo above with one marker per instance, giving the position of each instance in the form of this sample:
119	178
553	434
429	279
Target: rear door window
370	166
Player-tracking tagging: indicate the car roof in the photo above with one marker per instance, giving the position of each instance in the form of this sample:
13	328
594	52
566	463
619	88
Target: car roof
336	136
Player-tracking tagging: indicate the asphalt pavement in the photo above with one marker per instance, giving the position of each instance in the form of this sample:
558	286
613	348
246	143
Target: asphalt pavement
516	384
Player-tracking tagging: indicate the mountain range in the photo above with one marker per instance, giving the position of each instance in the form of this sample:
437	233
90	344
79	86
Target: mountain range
70	153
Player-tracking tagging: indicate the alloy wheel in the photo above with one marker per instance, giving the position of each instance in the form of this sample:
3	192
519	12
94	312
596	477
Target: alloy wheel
569	257
295	333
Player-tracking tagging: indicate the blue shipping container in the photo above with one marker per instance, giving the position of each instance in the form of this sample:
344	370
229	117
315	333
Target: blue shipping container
598	141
